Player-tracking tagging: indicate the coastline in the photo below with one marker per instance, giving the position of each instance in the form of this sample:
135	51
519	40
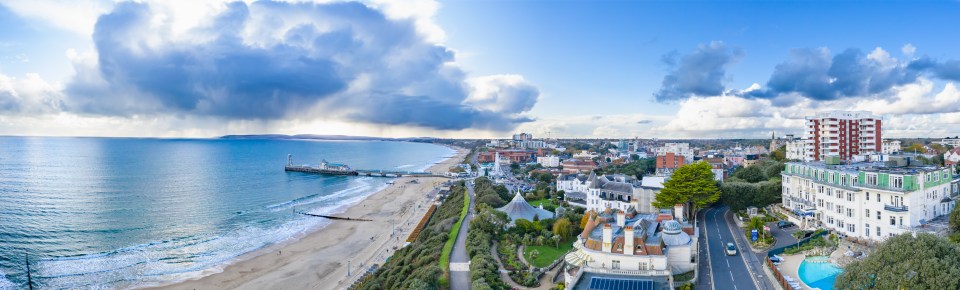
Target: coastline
318	259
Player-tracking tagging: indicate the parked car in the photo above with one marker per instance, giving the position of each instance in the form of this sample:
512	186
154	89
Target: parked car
785	224
731	249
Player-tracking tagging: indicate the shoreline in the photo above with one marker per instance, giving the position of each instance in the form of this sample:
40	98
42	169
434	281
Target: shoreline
320	256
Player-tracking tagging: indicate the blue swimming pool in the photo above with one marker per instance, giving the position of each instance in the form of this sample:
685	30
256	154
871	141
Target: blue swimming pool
819	273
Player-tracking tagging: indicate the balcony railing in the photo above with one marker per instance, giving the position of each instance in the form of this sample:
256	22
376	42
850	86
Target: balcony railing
626	272
894	208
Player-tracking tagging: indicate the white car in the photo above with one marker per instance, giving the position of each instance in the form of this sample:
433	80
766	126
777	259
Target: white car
731	249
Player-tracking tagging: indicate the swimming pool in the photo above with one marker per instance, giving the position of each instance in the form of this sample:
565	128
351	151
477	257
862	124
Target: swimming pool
818	272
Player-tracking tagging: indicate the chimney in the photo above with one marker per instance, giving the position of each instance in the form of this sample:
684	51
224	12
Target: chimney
620	218
678	213
628	247
607	238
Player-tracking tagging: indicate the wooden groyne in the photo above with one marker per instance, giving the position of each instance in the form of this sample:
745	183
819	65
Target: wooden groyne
335	217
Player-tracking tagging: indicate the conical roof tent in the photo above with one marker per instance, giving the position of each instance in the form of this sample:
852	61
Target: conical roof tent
519	208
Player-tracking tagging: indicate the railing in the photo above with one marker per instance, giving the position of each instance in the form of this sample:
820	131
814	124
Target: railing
893	208
627	272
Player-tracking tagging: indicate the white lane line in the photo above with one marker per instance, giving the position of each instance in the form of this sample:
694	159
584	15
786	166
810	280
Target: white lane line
728	266
737	241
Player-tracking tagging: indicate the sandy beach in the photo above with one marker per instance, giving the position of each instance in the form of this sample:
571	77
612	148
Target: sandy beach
319	260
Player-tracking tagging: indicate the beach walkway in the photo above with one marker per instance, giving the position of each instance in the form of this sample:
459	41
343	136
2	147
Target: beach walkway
459	260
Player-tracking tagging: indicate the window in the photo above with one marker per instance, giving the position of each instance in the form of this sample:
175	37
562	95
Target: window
830	220
867	213
871	179
897	182
852	228
866	229
840	223
867	196
849	212
643	266
849	196
616	265
893	221
843	179
901	221
878	197
878	231
878	215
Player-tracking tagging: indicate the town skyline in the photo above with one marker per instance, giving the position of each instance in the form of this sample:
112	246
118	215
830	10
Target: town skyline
443	69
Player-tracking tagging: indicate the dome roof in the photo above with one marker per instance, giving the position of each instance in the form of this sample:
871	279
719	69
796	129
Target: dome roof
673	234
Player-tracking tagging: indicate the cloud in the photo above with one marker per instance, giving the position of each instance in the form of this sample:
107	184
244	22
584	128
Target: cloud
29	95
276	60
644	122
700	73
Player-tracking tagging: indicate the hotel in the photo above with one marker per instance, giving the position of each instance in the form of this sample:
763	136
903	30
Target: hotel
869	200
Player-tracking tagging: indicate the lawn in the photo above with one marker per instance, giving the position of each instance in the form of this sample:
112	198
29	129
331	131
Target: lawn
548	253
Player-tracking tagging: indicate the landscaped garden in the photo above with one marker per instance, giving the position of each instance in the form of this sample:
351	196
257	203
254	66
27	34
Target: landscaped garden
543	255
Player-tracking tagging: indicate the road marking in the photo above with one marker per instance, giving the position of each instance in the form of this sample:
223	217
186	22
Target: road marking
460	267
728	266
709	259
745	263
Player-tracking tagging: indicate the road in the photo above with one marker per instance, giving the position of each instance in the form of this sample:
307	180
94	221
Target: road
722	271
459	261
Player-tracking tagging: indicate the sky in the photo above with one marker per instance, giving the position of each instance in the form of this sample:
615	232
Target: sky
468	69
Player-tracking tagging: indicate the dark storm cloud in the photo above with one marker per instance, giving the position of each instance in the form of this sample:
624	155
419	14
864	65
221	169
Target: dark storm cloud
271	60
700	73
812	73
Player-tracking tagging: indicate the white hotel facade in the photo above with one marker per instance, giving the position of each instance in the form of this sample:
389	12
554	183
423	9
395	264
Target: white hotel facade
868	200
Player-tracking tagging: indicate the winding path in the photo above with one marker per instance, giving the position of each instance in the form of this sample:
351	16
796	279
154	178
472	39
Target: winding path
459	260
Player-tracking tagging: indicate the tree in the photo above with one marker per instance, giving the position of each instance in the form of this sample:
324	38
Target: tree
556	240
906	262
955	220
480	284
750	174
527	239
780	154
541	240
690	184
915	147
561	228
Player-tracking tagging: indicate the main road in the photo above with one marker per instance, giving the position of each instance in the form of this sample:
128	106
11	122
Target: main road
718	270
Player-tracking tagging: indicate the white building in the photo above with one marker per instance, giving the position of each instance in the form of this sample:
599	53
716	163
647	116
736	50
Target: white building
796	150
682	149
869	200
890	146
626	245
615	192
549	161
532	144
953	142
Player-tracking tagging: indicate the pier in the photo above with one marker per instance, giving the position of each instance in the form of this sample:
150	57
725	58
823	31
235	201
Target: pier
328	168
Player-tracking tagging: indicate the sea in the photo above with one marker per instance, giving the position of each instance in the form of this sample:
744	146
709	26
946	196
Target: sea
119	213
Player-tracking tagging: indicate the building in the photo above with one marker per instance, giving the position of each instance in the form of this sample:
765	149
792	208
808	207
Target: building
952	142
796	150
868	200
669	162
614	192
549	161
513	156
952	157
573	166
682	149
750	160
522	137
718	167
842	133
518	208
532	144
630	246
890	147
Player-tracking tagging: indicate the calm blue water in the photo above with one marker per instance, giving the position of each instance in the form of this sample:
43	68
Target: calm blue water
819	274
122	213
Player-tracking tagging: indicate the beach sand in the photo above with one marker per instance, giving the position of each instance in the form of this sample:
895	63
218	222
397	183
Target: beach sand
319	259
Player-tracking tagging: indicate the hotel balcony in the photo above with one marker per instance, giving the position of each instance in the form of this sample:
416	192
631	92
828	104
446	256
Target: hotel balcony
893	208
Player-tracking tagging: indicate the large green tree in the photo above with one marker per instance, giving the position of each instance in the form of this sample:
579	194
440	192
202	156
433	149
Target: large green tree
906	262
690	184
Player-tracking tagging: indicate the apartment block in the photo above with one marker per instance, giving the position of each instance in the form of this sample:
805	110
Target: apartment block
842	133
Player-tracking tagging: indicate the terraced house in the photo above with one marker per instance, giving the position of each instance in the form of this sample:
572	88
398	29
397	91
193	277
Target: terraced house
869	200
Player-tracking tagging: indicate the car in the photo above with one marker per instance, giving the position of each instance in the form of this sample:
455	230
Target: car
731	249
785	224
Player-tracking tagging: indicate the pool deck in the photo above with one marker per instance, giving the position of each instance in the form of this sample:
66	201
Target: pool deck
791	267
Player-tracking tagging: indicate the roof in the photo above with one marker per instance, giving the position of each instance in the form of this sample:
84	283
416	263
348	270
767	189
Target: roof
519	208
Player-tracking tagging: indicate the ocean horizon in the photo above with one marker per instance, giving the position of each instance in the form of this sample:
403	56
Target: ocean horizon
134	212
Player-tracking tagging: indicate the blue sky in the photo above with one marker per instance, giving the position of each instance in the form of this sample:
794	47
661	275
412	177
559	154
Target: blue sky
615	69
